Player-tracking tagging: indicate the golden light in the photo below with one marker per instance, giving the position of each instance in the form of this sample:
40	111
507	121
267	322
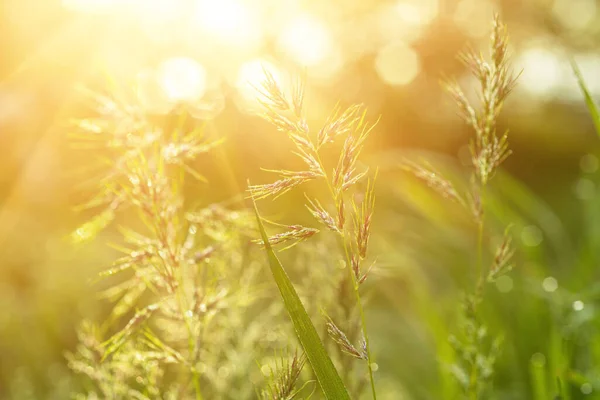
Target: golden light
182	79
543	70
229	20
91	6
306	40
471	16
154	11
397	64
575	14
405	19
419	12
250	76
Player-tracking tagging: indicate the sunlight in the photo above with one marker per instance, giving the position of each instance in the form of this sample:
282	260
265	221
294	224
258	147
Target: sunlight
417	13
405	19
306	40
250	76
229	20
543	70
153	11
182	79
575	15
469	14
91	6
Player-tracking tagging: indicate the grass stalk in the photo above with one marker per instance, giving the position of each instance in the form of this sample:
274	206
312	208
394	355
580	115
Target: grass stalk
191	345
355	288
363	322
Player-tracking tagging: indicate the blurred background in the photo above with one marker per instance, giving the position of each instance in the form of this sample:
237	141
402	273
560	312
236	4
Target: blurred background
389	55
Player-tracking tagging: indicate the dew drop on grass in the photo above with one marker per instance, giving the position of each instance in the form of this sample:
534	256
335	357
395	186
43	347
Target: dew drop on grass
550	284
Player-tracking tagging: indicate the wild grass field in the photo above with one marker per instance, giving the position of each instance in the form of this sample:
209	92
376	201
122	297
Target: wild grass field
300	200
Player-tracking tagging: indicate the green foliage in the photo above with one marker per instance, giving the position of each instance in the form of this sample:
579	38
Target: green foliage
188	311
329	379
589	100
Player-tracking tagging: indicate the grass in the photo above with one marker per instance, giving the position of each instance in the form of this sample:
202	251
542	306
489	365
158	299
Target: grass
459	282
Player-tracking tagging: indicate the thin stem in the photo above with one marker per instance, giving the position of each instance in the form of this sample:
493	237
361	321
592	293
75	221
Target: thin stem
191	345
161	231
355	287
479	256
363	322
478	290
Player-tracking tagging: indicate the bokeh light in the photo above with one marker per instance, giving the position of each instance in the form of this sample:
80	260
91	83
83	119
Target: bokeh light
183	79
405	20
232	21
471	16
306	40
250	76
543	70
397	64
575	15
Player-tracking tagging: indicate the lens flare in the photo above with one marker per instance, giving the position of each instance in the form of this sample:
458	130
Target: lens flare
250	76
306	40
229	20
182	79
397	64
543	71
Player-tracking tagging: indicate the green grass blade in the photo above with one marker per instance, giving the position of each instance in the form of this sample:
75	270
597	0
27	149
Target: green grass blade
328	377
589	101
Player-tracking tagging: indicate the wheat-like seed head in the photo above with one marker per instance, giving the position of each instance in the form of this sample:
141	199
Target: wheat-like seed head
488	150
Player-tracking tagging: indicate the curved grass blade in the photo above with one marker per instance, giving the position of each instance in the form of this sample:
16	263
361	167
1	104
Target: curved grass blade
589	101
327	375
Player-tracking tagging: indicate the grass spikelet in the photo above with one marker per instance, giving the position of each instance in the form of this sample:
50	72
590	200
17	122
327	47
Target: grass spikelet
502	259
362	219
319	212
475	365
282	186
352	125
283	380
496	79
295	234
342	340
426	174
116	341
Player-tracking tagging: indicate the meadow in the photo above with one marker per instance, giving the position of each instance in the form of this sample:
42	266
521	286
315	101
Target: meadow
159	245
